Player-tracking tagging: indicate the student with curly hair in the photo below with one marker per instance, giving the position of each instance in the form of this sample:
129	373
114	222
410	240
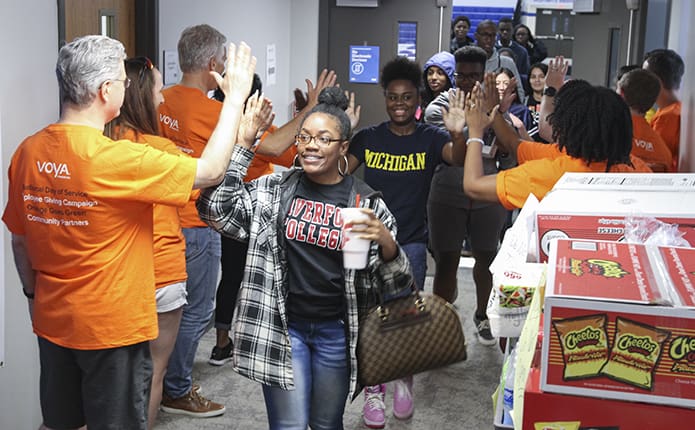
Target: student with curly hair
593	130
400	156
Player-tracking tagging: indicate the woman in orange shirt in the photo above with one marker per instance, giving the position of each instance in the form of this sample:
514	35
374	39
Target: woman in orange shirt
138	123
591	125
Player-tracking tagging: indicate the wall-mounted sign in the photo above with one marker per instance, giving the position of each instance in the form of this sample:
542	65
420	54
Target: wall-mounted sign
172	71
407	39
364	64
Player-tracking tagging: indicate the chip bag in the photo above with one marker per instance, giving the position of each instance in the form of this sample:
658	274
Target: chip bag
584	344
635	354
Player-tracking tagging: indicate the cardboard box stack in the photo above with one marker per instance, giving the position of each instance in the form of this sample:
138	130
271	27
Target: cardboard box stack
616	347
618	323
595	205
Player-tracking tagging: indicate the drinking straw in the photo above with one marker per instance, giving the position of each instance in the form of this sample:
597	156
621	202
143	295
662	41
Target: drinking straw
357	201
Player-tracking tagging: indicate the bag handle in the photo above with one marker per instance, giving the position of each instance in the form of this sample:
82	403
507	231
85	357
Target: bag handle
419	303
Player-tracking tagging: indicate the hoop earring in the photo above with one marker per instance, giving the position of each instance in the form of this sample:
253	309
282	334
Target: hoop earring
347	166
295	162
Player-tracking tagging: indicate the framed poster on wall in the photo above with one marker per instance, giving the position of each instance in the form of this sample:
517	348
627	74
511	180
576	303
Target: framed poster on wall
364	64
407	39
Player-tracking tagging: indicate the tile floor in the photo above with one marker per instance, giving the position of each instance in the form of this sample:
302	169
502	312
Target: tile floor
456	397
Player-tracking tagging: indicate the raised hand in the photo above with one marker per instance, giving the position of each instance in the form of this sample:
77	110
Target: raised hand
508	96
300	99
258	116
557	70
491	97
326	79
476	113
240	67
352	112
455	117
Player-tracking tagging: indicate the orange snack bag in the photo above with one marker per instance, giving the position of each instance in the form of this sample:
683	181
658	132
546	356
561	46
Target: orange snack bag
636	351
584	344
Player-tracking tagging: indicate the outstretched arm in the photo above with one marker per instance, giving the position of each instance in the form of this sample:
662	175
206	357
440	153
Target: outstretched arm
557	69
236	85
454	152
476	184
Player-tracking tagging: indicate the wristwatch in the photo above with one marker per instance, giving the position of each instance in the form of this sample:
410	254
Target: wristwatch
549	91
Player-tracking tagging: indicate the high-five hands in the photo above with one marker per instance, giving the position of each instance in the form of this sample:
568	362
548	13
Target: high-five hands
240	67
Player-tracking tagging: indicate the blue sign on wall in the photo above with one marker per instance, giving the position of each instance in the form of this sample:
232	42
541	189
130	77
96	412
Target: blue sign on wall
364	64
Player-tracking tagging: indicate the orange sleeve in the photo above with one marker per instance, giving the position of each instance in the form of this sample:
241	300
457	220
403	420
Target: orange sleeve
263	165
535	177
528	150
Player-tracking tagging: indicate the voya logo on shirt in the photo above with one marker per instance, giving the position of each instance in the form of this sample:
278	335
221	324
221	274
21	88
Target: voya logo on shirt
170	122
57	170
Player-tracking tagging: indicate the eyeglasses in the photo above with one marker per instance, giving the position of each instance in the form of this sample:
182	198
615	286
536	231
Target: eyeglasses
305	139
144	62
126	82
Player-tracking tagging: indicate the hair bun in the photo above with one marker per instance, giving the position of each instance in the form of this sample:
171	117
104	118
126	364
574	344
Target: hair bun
333	96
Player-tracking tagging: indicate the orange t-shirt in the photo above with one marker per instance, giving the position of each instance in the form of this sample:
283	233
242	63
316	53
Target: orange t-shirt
169	242
667	122
541	165
188	117
84	204
648	145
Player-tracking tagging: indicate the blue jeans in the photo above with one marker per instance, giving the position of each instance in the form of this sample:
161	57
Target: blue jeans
417	254
321	379
202	267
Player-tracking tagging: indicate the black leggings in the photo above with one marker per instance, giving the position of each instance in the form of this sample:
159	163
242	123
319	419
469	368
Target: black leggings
233	261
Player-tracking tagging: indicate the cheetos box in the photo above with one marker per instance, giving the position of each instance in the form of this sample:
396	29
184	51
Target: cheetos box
619	322
588	213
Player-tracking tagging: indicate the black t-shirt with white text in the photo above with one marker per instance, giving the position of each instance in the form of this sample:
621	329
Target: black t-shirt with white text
315	263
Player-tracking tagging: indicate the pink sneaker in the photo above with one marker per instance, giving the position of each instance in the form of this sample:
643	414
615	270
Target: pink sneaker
403	398
373	411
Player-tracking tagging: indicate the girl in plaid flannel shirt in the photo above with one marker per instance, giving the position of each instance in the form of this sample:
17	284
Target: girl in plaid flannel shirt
296	319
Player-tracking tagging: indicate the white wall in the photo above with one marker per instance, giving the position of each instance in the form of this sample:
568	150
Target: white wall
681	33
28	101
304	43
291	25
